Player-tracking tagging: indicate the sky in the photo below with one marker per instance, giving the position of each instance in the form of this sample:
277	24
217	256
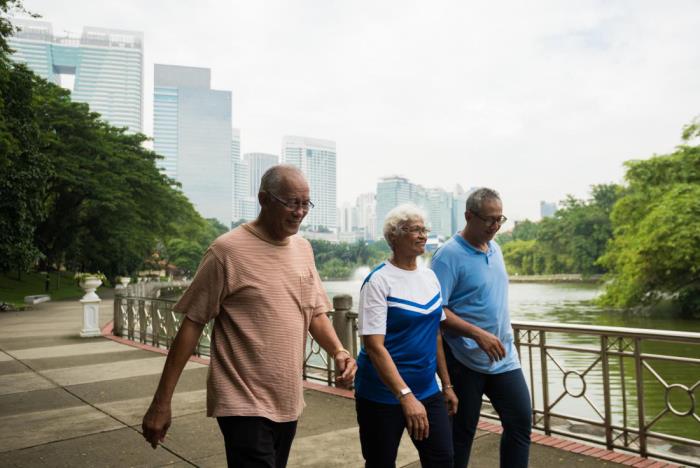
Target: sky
536	99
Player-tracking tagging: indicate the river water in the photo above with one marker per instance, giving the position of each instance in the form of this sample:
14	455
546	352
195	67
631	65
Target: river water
572	304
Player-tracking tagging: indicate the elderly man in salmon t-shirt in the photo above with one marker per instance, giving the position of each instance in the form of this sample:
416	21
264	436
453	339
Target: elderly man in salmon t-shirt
260	285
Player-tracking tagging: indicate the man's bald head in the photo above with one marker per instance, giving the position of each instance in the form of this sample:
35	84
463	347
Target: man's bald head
274	178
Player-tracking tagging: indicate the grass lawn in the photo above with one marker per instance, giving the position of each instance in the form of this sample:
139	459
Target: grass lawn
13	291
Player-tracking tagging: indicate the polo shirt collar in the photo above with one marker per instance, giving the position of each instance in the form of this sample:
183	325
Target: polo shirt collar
471	249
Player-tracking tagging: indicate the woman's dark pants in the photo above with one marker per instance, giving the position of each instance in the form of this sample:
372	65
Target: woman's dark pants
382	425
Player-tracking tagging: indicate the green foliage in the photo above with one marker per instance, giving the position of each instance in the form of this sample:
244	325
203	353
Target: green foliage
187	246
61	286
524	257
338	261
571	241
523	230
656	249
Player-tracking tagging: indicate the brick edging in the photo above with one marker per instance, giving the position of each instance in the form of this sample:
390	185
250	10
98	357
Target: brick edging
588	450
567	445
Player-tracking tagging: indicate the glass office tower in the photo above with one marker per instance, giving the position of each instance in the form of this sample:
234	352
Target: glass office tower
105	66
317	160
192	130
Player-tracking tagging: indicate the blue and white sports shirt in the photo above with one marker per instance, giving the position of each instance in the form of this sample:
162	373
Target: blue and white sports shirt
406	307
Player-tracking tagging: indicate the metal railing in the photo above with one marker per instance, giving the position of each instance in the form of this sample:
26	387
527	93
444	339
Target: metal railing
623	388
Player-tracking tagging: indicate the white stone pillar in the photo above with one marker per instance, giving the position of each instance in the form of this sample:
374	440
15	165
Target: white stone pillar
91	308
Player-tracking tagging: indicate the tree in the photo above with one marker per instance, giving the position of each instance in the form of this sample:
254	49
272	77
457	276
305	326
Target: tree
23	168
655	252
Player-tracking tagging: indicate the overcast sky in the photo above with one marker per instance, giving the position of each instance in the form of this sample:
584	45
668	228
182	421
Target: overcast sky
537	99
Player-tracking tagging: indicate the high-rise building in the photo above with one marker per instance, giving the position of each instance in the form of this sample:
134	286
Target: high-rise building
258	163
392	191
317	160
547	209
440	212
105	67
366	209
192	130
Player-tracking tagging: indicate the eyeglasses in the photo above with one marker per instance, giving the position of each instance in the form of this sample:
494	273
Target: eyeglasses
294	204
416	230
491	221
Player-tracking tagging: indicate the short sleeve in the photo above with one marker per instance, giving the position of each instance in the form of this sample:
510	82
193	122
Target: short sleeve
372	311
323	305
201	301
446	276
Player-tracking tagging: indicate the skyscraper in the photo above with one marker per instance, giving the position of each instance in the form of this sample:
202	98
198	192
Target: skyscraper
105	66
192	130
366	208
392	191
440	212
317	160
258	163
547	209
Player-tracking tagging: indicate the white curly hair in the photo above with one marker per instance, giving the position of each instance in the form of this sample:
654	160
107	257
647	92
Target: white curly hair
399	217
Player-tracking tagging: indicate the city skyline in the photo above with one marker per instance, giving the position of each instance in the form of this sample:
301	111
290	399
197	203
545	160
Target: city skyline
548	102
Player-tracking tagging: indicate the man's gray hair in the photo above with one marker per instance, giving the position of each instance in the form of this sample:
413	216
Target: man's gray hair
476	200
273	177
399	217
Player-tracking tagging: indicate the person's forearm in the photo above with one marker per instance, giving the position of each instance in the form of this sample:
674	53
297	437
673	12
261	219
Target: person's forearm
180	352
385	366
322	331
457	325
442	363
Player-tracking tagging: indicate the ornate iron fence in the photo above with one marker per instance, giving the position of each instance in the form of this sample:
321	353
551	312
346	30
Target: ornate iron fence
623	388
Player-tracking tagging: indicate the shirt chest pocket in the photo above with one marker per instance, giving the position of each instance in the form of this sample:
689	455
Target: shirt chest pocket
307	291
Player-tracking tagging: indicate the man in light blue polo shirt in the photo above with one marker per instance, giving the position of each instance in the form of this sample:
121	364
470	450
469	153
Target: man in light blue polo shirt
480	352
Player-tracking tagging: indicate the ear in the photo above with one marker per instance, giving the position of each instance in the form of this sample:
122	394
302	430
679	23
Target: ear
467	215
262	198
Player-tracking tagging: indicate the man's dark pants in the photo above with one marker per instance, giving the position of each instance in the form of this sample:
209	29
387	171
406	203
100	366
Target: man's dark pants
382	425
255	442
510	398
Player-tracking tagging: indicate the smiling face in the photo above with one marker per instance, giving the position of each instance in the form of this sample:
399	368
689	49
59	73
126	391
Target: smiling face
481	224
410	242
279	220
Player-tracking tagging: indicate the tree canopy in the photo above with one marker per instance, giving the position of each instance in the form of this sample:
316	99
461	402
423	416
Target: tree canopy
655	252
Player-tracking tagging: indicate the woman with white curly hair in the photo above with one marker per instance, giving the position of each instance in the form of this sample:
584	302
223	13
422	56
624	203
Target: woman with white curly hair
399	321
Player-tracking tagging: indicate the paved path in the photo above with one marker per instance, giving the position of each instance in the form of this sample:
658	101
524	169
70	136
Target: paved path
67	401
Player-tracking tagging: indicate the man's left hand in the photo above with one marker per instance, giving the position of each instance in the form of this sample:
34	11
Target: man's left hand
345	367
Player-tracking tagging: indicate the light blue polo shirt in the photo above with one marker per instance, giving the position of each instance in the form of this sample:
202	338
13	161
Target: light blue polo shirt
475	287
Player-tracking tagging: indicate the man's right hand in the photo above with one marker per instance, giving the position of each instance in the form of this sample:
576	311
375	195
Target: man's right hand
491	345
156	423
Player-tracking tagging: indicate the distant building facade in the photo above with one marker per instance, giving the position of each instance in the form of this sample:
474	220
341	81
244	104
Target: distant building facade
547	209
317	160
106	67
192	130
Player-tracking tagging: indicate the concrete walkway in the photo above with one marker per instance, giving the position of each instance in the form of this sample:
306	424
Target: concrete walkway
67	401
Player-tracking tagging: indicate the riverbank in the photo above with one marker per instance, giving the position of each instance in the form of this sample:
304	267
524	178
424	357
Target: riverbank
560	278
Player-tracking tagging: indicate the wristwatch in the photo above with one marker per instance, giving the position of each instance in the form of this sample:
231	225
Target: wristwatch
403	392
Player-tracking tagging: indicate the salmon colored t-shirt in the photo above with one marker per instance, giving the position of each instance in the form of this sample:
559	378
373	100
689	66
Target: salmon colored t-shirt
262	295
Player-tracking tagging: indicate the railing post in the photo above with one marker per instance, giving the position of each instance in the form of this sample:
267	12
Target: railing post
117	318
640	396
545	383
342	304
606	391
